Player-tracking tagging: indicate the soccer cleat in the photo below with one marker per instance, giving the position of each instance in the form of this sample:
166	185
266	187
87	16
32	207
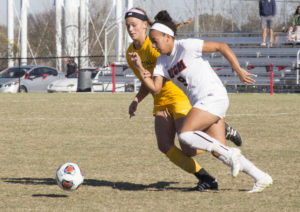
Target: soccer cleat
261	184
233	135
235	162
205	185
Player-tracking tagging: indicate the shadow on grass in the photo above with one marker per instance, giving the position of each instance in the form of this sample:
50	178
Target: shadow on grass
159	186
123	186
50	195
30	181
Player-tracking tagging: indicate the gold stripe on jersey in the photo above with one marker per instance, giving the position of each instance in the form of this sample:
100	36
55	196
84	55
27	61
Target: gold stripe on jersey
170	93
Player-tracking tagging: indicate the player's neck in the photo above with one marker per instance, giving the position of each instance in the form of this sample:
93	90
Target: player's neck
139	43
171	47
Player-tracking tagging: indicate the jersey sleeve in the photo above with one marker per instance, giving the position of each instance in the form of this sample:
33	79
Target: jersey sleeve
159	69
194	47
197	46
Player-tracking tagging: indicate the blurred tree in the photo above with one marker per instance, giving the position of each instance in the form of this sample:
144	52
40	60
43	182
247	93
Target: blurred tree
4	48
3	41
41	34
41	37
98	15
211	23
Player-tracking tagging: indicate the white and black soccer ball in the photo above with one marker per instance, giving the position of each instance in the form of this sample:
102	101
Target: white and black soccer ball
69	176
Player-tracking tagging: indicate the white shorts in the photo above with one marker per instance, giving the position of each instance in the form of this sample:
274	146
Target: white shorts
216	105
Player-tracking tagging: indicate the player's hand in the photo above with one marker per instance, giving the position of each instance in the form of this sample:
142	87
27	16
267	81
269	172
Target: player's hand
245	77
136	60
132	108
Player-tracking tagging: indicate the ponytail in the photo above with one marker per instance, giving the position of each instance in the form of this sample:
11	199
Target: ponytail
184	23
164	17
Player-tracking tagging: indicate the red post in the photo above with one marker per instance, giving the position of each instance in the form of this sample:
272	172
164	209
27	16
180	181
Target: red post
113	77
270	69
271	82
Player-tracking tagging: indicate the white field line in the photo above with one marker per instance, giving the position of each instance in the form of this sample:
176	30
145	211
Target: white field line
142	117
261	115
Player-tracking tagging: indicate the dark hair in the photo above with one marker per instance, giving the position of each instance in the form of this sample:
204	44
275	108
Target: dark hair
297	12
163	17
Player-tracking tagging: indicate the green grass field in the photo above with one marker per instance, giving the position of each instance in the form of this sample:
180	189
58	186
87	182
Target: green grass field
124	171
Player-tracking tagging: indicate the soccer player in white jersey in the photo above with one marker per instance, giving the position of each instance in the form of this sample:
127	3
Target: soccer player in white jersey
181	62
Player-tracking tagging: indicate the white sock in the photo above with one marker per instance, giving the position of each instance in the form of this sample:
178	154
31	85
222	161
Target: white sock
249	168
246	166
201	140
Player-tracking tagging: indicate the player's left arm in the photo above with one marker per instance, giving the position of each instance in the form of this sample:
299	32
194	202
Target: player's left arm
223	48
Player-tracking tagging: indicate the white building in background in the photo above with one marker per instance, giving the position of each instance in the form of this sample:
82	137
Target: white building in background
75	30
77	45
129	5
84	33
24	41
58	32
71	28
10	31
119	29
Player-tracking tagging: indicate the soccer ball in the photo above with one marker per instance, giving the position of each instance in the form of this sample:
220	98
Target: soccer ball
69	176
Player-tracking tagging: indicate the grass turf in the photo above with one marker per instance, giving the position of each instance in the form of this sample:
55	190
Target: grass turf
124	171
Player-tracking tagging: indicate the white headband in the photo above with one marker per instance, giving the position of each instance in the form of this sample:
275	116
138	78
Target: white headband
163	28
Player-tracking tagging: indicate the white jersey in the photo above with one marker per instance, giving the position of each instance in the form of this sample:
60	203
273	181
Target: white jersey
189	71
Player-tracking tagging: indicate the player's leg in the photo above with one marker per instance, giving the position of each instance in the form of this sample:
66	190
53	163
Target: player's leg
233	135
264	37
262	179
290	36
215	131
297	33
181	109
192	134
264	30
271	36
271	25
165	133
206	181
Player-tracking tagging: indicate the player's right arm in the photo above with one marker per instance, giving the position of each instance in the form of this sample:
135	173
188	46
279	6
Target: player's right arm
154	84
224	49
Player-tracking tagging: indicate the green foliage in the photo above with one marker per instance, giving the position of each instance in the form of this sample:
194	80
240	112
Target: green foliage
4	47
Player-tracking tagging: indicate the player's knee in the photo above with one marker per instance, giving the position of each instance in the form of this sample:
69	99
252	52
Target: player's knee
164	147
215	154
184	138
188	151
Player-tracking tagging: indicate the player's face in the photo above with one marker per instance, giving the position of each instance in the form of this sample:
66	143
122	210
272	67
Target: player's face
136	28
159	41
